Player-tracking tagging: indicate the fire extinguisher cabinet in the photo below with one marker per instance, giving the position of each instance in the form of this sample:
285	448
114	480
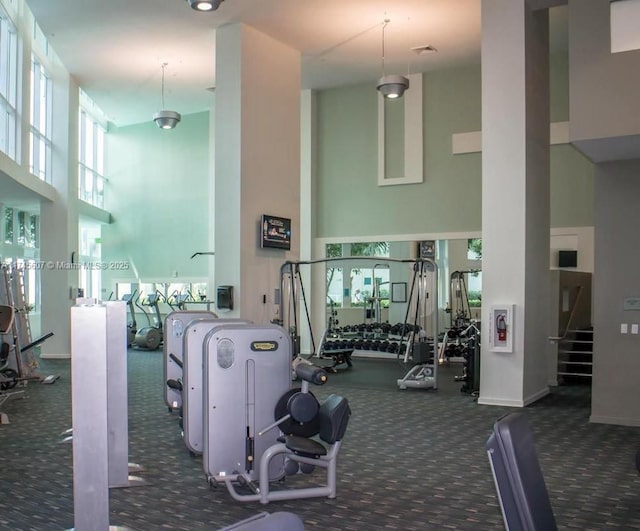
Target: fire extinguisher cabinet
501	323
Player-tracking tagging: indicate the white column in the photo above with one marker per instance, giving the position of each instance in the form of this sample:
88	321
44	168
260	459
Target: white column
515	198
59	221
257	166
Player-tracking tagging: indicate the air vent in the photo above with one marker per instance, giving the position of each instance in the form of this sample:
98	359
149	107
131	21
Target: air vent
424	49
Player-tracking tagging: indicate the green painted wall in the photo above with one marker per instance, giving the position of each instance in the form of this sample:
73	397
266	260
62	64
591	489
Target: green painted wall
349	201
158	196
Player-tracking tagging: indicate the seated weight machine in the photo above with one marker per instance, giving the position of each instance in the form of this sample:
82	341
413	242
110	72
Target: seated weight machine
172	347
183	355
270	451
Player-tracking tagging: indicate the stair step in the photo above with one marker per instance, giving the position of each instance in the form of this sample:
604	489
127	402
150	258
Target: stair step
585	374
575	362
565	351
582	341
581	331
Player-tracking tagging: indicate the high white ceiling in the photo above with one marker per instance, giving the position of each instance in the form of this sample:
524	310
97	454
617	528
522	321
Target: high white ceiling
115	48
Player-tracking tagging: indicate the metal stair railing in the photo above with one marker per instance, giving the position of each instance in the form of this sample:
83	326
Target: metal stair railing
565	365
569	367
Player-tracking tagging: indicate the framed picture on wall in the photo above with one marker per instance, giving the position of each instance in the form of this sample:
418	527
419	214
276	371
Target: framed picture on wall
398	292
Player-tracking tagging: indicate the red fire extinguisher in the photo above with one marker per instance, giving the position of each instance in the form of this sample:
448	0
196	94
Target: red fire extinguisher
501	327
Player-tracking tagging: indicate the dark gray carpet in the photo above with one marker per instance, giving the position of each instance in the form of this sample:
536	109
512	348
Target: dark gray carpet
411	460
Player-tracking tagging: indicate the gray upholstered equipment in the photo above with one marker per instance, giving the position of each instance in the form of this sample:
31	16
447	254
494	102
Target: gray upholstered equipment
279	521
302	420
521	488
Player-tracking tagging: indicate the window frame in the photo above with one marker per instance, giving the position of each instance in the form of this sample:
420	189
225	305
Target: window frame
40	121
9	86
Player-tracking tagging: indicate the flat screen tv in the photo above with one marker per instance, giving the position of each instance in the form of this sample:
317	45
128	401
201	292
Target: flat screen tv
276	232
567	258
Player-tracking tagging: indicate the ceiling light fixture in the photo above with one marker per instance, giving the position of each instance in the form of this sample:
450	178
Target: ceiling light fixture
166	119
391	86
205	5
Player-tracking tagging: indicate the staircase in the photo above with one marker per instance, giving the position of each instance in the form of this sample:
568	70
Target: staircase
575	356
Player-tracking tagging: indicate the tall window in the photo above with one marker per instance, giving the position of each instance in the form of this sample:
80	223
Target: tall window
91	179
8	86
21	228
40	160
8	225
90	253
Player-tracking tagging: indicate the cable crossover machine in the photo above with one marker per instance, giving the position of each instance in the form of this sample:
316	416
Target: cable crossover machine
414	341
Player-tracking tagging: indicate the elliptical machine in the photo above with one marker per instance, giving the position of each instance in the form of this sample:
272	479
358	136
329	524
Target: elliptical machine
150	337
132	326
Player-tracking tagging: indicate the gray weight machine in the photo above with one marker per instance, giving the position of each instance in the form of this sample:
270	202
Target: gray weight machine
174	326
257	429
185	354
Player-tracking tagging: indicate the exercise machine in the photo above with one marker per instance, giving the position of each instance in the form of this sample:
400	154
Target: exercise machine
524	499
247	377
178	300
329	347
17	357
8	376
247	370
422	350
373	304
150	337
470	351
132	326
174	327
293	303
193	338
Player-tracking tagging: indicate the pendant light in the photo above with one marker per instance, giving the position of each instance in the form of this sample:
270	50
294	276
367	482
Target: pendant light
166	119
393	85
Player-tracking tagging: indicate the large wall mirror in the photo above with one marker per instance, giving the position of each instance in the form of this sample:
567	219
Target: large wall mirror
360	290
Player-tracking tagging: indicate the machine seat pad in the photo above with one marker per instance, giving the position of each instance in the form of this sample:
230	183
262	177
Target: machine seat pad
304	447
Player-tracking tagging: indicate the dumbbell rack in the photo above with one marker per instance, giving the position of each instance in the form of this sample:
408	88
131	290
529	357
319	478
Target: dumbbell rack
377	340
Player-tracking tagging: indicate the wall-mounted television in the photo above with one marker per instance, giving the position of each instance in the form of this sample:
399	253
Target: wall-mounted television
275	232
567	258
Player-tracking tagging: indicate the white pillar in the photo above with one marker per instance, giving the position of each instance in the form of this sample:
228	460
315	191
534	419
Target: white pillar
257	166
59	221
515	198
